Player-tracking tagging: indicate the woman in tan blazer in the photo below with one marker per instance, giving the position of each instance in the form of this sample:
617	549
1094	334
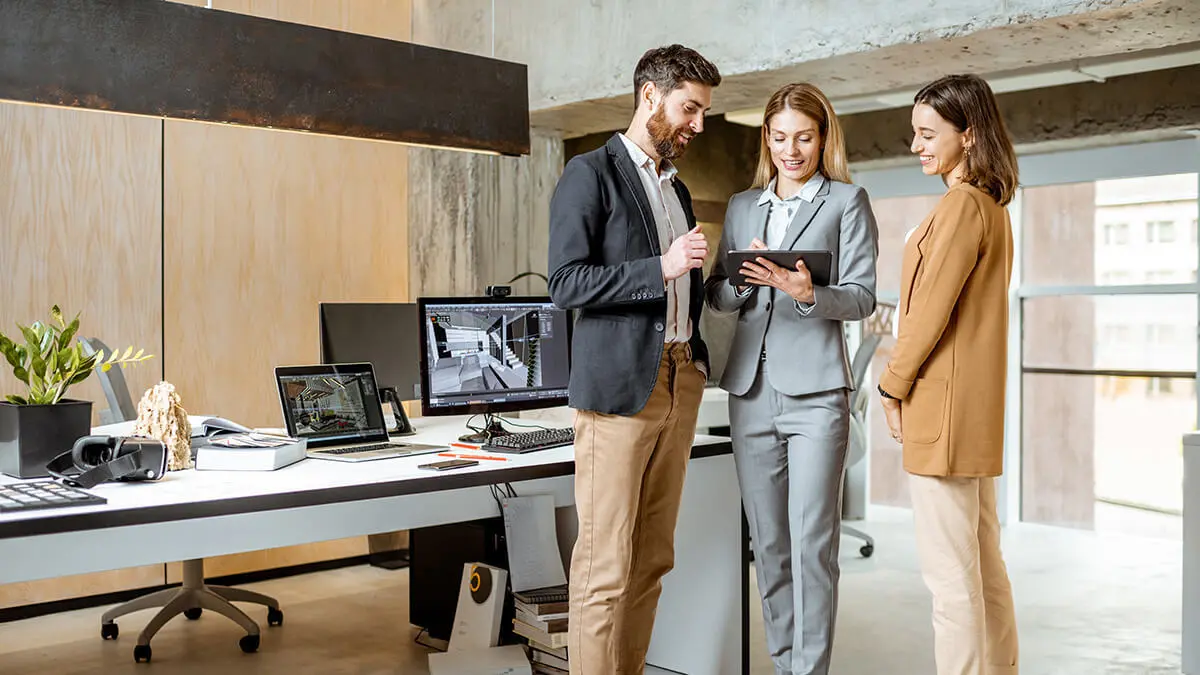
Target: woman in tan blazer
943	390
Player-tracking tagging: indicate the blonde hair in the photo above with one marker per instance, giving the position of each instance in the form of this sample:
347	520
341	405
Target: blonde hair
808	100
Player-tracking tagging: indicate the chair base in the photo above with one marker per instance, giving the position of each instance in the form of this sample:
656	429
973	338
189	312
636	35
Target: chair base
190	600
868	548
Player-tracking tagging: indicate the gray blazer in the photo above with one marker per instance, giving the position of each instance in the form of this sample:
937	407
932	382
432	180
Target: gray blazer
805	345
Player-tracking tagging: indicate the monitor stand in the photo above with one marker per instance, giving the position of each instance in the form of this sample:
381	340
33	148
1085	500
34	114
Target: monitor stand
491	429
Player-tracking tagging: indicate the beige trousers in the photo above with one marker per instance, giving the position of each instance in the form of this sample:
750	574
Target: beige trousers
958	542
628	484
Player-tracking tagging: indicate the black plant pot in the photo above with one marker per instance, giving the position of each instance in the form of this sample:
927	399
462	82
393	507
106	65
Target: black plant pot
32	435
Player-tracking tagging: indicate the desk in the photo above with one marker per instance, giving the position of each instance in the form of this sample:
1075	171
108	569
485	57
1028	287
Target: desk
196	514
1191	554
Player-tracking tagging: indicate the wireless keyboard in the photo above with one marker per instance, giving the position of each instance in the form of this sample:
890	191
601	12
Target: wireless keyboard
43	494
531	441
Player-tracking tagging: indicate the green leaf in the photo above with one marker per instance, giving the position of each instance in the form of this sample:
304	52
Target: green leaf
39	366
9	349
57	314
36	390
52	365
13	398
68	334
104	368
138	355
79	377
22	374
47	342
128	353
32	338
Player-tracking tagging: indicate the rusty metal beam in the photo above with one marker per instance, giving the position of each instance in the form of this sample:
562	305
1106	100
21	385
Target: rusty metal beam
149	57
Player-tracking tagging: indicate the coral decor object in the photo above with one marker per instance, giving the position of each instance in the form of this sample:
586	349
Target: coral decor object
161	416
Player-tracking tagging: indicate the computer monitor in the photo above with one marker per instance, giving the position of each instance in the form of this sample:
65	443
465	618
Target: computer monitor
384	334
492	355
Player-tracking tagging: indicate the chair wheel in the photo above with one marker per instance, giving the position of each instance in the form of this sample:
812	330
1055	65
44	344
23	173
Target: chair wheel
141	654
249	643
109	631
867	550
274	616
193	613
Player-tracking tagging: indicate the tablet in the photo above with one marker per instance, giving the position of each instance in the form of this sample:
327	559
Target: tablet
819	263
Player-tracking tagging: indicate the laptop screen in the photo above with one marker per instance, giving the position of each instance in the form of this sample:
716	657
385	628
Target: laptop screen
331	404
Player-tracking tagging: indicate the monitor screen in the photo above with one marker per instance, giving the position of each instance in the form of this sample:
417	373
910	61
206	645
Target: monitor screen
489	355
384	334
330	404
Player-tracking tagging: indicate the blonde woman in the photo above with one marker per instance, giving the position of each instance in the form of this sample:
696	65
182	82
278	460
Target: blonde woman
788	374
943	389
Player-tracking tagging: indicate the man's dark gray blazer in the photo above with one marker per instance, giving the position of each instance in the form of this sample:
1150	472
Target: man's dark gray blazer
605	264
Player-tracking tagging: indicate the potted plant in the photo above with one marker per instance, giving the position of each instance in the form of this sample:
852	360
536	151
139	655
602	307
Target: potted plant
40	423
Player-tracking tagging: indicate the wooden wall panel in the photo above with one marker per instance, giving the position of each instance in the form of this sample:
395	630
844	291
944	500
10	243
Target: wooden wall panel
80	585
80	226
262	226
79	208
275	558
389	19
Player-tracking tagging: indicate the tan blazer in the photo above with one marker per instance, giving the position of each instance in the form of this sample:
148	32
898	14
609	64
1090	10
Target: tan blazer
948	366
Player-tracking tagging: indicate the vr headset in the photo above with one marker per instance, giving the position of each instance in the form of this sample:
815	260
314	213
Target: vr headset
96	459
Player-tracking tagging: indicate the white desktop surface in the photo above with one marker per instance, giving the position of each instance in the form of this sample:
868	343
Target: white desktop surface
196	514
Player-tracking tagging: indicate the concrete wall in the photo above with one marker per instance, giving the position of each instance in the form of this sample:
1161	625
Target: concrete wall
1157	105
475	219
581	55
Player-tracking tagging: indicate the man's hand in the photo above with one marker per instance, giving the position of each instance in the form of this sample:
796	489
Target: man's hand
891	410
686	254
796	283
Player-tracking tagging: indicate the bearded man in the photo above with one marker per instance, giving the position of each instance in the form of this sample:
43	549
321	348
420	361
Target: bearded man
626	254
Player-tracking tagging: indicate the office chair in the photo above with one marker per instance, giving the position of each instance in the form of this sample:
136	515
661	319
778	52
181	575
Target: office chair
194	596
873	330
116	392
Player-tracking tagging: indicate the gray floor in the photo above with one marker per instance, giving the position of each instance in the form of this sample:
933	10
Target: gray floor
1087	604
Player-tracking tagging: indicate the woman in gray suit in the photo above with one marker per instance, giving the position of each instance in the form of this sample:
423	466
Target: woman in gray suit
788	374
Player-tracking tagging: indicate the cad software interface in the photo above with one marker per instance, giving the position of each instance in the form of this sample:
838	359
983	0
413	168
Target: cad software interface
496	352
332	407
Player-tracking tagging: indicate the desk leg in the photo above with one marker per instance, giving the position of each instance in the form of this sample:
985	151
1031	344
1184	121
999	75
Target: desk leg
696	629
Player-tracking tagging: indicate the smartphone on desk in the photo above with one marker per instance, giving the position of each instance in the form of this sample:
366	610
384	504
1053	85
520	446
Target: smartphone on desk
448	464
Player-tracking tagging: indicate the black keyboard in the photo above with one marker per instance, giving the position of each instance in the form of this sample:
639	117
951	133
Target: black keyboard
359	448
43	494
529	441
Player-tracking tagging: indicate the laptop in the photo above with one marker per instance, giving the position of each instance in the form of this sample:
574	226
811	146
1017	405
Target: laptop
336	408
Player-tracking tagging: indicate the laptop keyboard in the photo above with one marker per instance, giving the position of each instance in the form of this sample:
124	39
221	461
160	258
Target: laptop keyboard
359	448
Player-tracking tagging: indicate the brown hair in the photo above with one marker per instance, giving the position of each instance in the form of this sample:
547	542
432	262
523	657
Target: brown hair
967	102
669	67
806	99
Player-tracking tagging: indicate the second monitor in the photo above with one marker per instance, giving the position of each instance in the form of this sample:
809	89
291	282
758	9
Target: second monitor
491	355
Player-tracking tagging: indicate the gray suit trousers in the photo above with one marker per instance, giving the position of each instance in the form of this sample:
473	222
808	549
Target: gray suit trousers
790	453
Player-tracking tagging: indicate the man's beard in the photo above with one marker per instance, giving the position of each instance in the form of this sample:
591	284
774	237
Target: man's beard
664	136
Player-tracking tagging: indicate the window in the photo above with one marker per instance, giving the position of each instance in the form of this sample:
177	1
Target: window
1160	231
1160	276
1159	386
1116	233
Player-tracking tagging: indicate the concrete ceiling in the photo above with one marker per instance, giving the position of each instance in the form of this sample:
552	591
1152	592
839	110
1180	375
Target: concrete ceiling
905	58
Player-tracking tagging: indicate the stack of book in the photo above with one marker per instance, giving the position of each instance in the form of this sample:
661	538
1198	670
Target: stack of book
540	616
